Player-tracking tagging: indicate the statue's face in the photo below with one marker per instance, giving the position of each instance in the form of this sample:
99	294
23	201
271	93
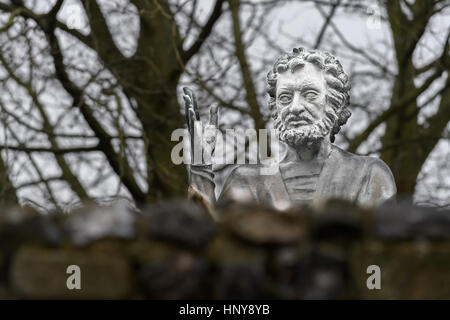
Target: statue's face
300	97
301	102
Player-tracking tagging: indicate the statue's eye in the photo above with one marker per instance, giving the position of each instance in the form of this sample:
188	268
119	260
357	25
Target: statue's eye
310	94
285	98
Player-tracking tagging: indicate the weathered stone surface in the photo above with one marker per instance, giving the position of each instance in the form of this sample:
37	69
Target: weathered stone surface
167	272
178	252
239	268
95	222
321	275
405	221
242	280
19	225
41	273
283	268
180	222
409	270
339	221
264	226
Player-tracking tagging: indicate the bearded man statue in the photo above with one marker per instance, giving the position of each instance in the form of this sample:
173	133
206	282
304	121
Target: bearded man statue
309	98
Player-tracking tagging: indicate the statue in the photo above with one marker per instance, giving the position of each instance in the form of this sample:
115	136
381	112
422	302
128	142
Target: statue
308	97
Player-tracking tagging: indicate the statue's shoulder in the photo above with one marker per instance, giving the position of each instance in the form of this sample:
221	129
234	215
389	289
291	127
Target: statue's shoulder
352	159
373	170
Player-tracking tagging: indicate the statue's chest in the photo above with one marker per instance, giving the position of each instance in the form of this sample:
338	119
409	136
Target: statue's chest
300	180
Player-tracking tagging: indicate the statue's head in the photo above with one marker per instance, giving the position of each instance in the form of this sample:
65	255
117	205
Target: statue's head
308	96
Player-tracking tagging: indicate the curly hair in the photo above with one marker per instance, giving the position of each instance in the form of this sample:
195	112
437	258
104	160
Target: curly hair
338	84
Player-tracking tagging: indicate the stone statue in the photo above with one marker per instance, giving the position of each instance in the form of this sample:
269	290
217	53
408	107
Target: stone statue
308	97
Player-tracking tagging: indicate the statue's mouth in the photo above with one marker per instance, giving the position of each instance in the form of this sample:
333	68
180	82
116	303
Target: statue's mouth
296	121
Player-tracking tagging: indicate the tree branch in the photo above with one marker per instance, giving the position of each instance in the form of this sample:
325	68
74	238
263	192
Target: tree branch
204	34
326	23
250	90
392	110
101	35
119	165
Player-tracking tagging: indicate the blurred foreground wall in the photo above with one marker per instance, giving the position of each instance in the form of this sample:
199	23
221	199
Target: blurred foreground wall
175	251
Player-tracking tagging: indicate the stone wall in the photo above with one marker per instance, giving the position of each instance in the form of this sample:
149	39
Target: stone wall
176	251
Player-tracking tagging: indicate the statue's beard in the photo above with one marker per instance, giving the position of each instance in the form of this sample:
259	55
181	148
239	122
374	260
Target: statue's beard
308	135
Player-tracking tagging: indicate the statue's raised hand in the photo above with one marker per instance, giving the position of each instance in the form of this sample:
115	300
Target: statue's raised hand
203	139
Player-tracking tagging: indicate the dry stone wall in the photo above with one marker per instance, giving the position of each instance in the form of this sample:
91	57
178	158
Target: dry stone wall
177	251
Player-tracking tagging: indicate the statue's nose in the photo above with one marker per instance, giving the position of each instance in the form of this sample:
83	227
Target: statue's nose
297	106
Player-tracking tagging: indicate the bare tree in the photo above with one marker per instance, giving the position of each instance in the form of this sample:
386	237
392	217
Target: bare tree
88	111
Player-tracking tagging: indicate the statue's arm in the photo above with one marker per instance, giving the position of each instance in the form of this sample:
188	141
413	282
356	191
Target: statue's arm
201	176
237	188
380	186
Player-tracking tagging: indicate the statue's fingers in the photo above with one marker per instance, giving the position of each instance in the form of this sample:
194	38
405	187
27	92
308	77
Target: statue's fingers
187	100
214	114
195	114
193	99
194	103
187	103
188	92
210	131
191	120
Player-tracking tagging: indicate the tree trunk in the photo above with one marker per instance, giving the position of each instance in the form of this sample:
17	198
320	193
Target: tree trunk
7	191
